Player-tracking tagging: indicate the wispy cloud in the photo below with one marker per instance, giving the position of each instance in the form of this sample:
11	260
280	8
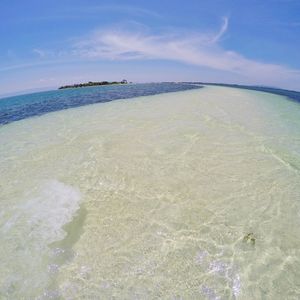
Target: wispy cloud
200	49
34	64
222	30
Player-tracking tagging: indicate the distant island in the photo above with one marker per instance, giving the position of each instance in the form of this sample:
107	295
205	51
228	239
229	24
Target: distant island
92	83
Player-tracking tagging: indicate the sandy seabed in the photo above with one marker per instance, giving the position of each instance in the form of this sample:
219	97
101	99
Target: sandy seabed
154	197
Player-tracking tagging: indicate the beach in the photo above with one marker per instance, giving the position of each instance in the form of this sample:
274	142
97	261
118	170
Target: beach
185	195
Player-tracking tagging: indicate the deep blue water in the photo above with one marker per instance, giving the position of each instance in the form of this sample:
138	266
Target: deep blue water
291	95
29	105
25	106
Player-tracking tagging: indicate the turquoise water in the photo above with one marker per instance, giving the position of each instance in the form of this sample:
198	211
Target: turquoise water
186	195
30	105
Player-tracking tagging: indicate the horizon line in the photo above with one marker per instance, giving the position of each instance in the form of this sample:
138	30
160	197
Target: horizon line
56	88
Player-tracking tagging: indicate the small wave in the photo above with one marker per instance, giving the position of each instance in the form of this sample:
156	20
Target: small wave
53	207
44	212
34	224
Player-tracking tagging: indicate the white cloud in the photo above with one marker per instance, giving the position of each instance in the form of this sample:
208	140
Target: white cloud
200	49
222	30
203	50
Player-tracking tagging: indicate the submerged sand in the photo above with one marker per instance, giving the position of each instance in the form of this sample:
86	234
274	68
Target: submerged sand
152	197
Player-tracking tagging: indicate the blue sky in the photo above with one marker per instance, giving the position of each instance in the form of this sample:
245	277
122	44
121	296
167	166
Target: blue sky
46	43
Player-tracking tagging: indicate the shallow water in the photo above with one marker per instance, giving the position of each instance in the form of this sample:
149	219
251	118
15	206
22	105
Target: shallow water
152	198
29	105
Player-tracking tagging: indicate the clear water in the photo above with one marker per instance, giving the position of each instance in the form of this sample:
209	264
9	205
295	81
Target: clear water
154	198
29	105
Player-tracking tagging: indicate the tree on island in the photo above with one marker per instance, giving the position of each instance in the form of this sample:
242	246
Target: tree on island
92	83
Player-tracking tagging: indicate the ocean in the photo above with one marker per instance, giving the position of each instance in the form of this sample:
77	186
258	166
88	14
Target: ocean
192	193
36	104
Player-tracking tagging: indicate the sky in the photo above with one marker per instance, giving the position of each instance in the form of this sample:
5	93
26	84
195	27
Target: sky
48	43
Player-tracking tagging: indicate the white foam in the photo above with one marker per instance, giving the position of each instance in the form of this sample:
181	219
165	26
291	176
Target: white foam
36	221
54	206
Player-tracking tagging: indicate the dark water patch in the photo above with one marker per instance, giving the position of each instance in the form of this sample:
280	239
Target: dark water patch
62	250
62	253
291	95
26	106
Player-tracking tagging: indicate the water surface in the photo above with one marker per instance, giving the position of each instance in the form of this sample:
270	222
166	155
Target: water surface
30	105
152	198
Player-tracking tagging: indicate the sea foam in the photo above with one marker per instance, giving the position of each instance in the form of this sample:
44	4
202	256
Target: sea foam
53	207
27	235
